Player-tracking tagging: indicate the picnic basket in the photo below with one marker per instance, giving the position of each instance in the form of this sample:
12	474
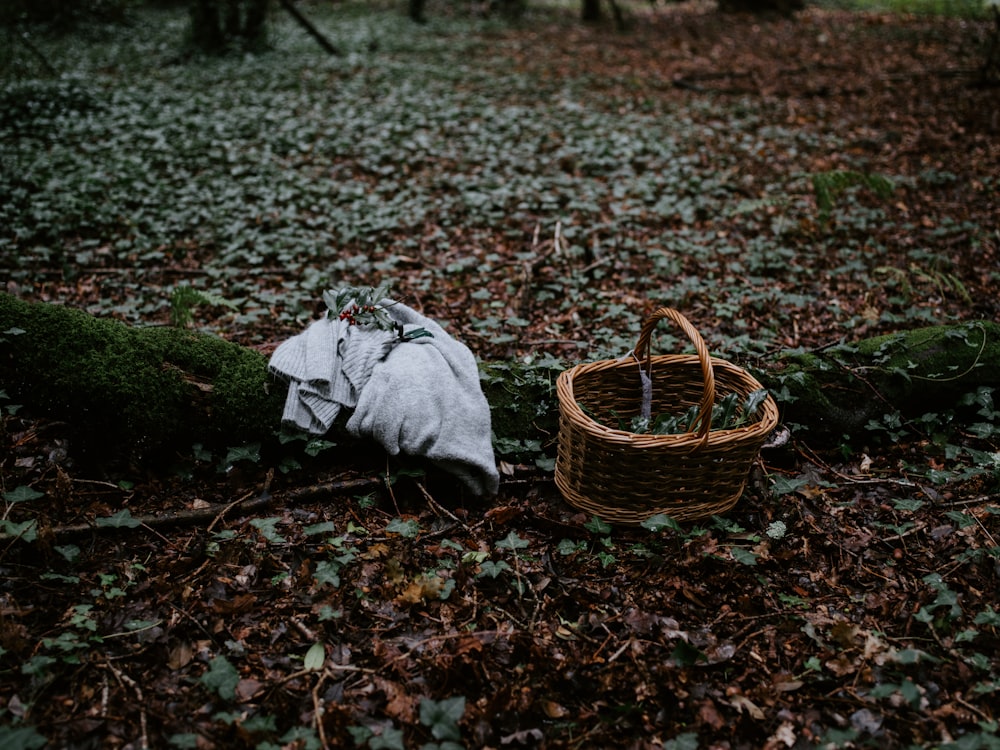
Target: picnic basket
625	477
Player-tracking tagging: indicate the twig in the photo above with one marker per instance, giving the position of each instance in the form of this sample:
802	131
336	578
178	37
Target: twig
215	511
304	629
619	651
313	31
25	40
318	709
440	508
124	679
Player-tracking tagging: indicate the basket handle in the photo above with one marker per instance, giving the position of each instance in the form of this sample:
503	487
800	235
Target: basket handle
643	350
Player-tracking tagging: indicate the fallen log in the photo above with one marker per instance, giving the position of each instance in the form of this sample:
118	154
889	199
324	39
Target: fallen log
837	390
149	392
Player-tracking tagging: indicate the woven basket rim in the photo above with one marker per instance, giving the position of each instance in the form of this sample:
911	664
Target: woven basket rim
767	422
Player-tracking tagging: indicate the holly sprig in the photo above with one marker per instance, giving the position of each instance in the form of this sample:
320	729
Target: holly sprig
366	306
360	305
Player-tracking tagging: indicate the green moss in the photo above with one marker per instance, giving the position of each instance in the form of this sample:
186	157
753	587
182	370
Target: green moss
134	388
837	390
522	398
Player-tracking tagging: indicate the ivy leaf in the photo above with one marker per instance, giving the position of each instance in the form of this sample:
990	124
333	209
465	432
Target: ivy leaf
390	739
442	717
786	486
512	542
408	529
492	569
743	556
327	573
221	678
26	530
21	738
686	655
266	527
659	522
597	526
121	519
324	527
22	494
238	453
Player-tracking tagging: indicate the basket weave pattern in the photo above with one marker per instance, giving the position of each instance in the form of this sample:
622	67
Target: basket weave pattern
624	477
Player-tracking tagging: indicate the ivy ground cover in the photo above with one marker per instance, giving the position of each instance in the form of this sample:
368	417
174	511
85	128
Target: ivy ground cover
540	186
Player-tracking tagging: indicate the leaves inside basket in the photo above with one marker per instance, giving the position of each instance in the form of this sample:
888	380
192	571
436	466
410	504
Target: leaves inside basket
727	414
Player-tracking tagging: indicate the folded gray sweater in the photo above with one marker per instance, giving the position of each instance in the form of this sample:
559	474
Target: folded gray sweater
421	397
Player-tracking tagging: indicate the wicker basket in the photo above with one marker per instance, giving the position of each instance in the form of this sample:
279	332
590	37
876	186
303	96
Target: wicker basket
624	477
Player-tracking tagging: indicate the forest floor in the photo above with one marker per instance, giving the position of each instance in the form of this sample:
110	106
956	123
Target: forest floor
850	599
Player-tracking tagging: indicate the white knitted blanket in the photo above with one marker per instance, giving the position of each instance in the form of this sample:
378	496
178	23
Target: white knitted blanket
421	397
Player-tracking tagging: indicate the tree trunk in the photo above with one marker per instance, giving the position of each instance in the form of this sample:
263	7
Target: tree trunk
590	11
217	25
154	392
761	7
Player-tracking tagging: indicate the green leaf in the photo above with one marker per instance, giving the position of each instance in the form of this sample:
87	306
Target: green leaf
685	741
512	542
301	737
21	738
22	494
184	740
492	569
962	520
121	519
786	485
659	522
327	573
390	739
442	717
315	657
266	527
325	527
316	446
743	556
408	529
26	530
988	617
69	551
597	526
221	678
249	452
569	547
913	656
907	504
360	735
686	655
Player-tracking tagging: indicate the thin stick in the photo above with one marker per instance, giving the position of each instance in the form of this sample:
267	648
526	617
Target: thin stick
124	679
216	511
440	508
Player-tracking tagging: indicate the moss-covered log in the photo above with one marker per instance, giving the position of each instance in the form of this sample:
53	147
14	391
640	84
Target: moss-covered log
836	391
151	391
147	390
